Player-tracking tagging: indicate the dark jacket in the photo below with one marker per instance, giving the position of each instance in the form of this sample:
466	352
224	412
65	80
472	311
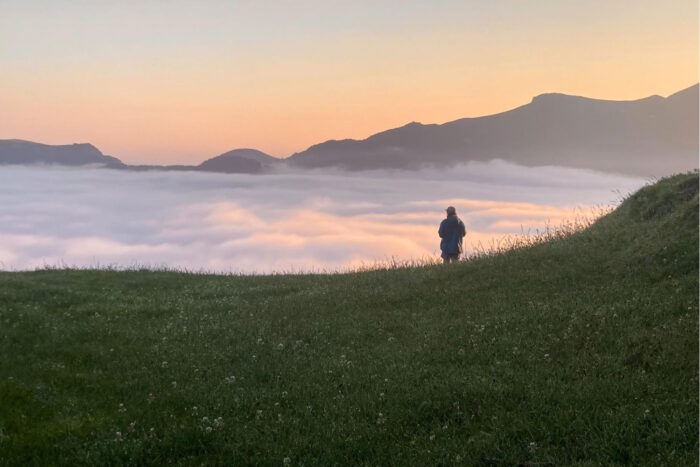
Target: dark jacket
452	231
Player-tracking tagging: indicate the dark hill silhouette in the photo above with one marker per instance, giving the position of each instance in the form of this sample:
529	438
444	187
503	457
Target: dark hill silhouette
650	136
239	161
653	136
17	151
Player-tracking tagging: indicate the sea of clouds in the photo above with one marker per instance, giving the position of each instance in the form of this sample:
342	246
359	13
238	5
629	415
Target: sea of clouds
286	221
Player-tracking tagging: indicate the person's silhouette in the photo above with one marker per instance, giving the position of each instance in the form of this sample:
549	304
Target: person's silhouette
451	232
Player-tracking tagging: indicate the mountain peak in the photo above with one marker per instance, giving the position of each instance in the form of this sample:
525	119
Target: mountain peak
556	97
15	151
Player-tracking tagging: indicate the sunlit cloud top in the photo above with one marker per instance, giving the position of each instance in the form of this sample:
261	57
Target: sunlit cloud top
286	221
176	81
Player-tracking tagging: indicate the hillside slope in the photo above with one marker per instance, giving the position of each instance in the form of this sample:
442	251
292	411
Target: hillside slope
582	350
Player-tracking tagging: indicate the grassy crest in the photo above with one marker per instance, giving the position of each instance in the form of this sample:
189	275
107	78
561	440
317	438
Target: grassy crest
582	350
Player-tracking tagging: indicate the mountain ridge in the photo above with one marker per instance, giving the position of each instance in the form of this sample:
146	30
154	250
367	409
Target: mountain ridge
651	136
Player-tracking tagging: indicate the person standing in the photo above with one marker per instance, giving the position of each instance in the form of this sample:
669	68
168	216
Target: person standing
451	232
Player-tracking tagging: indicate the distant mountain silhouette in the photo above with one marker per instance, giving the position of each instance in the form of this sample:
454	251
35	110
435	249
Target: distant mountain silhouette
651	136
17	151
239	161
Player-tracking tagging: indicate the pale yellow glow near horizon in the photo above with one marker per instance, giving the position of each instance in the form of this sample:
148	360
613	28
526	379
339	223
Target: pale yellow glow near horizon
183	103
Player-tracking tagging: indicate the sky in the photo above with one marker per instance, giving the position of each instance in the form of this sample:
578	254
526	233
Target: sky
288	221
181	81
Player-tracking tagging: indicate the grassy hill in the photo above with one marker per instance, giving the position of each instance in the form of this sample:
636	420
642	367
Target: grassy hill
582	350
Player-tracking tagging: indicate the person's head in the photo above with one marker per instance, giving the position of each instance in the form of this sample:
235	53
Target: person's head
451	211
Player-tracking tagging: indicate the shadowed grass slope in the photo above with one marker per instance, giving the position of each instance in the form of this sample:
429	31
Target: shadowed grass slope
582	350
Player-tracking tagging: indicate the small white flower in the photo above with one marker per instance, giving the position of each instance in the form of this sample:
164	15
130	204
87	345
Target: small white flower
164	364
280	346
208	429
122	408
118	435
532	447
174	383
286	461
258	414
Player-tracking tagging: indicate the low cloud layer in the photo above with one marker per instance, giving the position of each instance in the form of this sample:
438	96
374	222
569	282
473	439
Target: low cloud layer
291	221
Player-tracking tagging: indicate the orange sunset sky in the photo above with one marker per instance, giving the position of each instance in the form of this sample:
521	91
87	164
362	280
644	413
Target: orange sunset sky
179	82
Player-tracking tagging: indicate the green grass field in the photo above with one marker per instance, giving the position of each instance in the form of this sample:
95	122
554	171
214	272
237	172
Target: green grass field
579	351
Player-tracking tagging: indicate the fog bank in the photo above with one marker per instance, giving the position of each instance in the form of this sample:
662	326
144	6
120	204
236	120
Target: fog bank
287	221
